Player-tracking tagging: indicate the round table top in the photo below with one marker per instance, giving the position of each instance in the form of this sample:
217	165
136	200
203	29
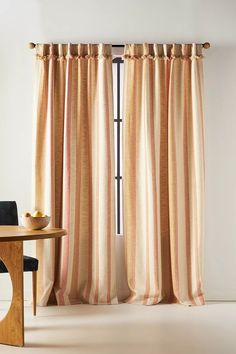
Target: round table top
20	233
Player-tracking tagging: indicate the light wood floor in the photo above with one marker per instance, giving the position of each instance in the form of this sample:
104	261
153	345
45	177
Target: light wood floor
127	329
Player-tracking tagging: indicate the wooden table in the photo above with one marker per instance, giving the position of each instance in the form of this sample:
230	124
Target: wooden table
11	253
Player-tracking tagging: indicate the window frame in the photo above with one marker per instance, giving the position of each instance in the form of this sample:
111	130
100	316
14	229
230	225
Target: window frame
118	126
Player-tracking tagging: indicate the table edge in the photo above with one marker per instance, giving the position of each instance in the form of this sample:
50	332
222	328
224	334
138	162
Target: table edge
59	233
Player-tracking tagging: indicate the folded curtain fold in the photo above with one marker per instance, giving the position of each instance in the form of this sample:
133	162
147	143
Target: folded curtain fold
74	172
163	172
74	51
165	51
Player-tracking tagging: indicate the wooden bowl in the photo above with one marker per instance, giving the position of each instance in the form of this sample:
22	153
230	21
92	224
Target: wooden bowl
35	223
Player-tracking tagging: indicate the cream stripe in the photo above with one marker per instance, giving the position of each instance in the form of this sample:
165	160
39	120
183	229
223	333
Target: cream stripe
198	178
155	233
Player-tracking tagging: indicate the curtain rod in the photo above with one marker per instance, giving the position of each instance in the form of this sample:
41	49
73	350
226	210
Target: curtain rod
205	45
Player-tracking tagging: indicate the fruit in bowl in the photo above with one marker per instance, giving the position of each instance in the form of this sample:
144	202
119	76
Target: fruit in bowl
37	221
37	214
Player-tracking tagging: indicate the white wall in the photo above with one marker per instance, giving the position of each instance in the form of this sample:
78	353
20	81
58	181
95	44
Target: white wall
118	22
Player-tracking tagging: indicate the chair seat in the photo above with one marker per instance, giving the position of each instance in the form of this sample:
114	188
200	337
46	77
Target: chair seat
30	265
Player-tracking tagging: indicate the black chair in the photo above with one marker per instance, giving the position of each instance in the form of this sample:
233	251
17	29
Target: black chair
9	216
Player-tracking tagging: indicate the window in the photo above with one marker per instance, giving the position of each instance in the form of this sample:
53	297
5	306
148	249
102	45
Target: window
118	68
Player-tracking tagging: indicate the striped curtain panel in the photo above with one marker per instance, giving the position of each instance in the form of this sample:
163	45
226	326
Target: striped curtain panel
163	172
74	173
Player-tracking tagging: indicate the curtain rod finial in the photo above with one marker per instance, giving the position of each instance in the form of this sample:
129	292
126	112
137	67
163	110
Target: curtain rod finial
206	45
31	45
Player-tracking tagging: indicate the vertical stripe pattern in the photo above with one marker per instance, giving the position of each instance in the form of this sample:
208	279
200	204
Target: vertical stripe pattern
163	172
74	173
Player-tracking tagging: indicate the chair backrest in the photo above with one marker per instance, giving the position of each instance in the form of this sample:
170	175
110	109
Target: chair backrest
8	213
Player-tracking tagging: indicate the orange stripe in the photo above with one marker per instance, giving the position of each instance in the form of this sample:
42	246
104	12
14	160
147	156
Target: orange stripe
67	186
173	192
110	182
130	157
59	101
85	209
96	233
155	196
78	143
144	118
52	136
